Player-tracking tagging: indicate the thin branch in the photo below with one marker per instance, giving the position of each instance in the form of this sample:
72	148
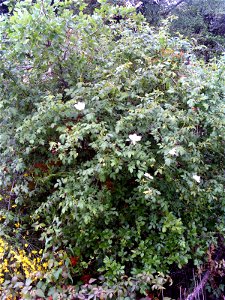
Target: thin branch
173	7
203	281
11	194
199	287
26	67
43	8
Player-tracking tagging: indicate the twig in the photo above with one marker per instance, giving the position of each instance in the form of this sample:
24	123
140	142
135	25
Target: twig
165	13
26	67
43	8
11	194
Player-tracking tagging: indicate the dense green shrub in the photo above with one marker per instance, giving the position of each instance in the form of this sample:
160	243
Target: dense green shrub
112	140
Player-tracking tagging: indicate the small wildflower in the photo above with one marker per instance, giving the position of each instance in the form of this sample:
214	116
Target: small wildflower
134	138
17	225
196	178
79	105
45	265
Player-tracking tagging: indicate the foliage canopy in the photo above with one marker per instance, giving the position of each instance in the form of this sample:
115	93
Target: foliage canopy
112	141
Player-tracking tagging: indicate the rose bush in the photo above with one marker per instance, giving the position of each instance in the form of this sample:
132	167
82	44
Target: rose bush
112	141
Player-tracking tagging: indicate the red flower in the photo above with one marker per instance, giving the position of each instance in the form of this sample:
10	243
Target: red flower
150	295
85	278
74	260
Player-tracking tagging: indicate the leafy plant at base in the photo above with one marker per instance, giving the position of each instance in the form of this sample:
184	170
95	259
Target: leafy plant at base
115	145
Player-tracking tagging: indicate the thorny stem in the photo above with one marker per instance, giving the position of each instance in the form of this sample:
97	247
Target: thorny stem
203	281
199	287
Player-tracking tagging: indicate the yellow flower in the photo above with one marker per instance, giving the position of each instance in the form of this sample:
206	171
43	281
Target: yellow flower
17	225
45	265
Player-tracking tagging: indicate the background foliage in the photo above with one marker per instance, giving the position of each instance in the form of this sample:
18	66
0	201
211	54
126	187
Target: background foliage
201	20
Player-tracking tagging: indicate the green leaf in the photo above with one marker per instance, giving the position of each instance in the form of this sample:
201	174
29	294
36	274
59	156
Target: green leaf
40	293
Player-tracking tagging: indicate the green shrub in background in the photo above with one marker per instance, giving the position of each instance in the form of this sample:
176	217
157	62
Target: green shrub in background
112	141
203	21
200	20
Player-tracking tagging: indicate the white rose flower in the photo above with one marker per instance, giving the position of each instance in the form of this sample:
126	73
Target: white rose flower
196	178
134	138
148	175
79	105
173	152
